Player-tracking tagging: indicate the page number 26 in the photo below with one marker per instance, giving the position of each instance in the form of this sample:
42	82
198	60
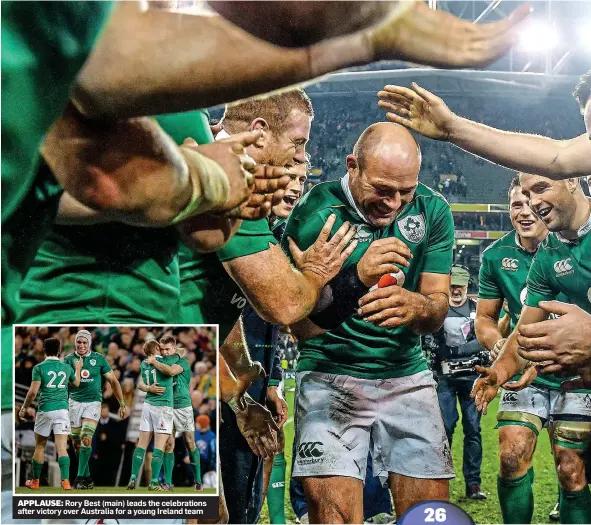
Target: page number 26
435	515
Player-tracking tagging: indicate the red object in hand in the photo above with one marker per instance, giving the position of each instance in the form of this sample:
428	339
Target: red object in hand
387	280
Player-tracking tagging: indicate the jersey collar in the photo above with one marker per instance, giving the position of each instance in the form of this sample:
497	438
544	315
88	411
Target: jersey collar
349	195
581	232
52	357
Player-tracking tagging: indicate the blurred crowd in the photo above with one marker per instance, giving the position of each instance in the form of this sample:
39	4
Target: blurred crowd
122	347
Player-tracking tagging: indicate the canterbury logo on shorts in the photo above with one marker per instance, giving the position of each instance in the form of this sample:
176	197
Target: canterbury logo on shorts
509	264
311	449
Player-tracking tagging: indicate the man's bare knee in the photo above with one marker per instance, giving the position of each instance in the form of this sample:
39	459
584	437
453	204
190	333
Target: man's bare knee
334	499
570	468
516	448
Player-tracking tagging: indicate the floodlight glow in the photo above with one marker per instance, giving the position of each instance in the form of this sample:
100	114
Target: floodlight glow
585	36
538	37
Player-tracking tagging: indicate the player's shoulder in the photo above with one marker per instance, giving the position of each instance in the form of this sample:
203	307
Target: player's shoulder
551	242
320	197
499	247
428	197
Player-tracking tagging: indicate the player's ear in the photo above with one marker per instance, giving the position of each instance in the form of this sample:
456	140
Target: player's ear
352	164
572	184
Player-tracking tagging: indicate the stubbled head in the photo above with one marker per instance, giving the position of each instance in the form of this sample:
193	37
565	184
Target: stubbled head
524	220
384	171
285	120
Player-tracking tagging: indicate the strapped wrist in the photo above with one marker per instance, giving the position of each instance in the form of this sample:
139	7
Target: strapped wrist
210	185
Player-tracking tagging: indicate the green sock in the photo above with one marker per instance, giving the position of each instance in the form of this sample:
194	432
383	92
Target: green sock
276	490
168	465
157	458
64	463
196	462
575	507
83	460
136	463
516	497
87	470
37	468
532	475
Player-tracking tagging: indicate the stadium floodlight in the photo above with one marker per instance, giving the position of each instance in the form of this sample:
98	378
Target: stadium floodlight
538	37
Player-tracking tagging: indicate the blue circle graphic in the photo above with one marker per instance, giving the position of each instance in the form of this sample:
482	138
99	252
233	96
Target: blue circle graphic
435	513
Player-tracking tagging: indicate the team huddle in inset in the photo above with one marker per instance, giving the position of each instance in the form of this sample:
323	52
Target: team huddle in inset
69	396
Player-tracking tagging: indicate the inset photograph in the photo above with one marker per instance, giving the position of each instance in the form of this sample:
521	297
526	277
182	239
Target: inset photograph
103	410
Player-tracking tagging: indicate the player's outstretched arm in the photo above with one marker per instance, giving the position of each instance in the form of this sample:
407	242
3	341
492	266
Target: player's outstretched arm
132	171
235	352
486	324
168	370
427	114
282	294
255	422
423	311
29	398
141	64
507	364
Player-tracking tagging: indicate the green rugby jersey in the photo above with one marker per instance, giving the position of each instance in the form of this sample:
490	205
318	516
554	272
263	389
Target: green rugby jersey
55	377
562	267
150	376
44	45
208	293
358	348
561	270
503	275
180	385
94	367
110	273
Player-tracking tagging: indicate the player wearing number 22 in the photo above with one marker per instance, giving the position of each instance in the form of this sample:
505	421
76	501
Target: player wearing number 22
50	380
364	386
157	412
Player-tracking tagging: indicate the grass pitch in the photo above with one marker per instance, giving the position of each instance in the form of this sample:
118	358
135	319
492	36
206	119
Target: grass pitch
486	511
185	491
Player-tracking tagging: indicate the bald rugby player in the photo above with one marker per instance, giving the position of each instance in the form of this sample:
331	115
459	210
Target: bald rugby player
367	360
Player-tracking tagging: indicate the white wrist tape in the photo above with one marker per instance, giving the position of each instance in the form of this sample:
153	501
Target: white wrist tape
211	186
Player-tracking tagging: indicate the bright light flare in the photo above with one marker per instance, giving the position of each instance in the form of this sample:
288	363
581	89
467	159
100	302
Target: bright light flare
584	33
538	37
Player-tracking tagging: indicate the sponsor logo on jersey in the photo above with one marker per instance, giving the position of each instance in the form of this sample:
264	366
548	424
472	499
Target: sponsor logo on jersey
310	452
84	373
93	362
362	235
510	397
510	265
412	228
563	267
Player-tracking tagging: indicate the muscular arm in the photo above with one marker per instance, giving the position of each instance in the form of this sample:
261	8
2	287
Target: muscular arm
556	159
207	233
31	394
115	385
487	322
509	362
433	293
169	370
278	292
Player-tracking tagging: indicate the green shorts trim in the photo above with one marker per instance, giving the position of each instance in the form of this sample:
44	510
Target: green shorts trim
523	419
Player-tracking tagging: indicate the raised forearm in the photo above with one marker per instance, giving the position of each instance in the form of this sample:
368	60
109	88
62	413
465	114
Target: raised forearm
169	370
519	151
487	331
141	66
431	313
